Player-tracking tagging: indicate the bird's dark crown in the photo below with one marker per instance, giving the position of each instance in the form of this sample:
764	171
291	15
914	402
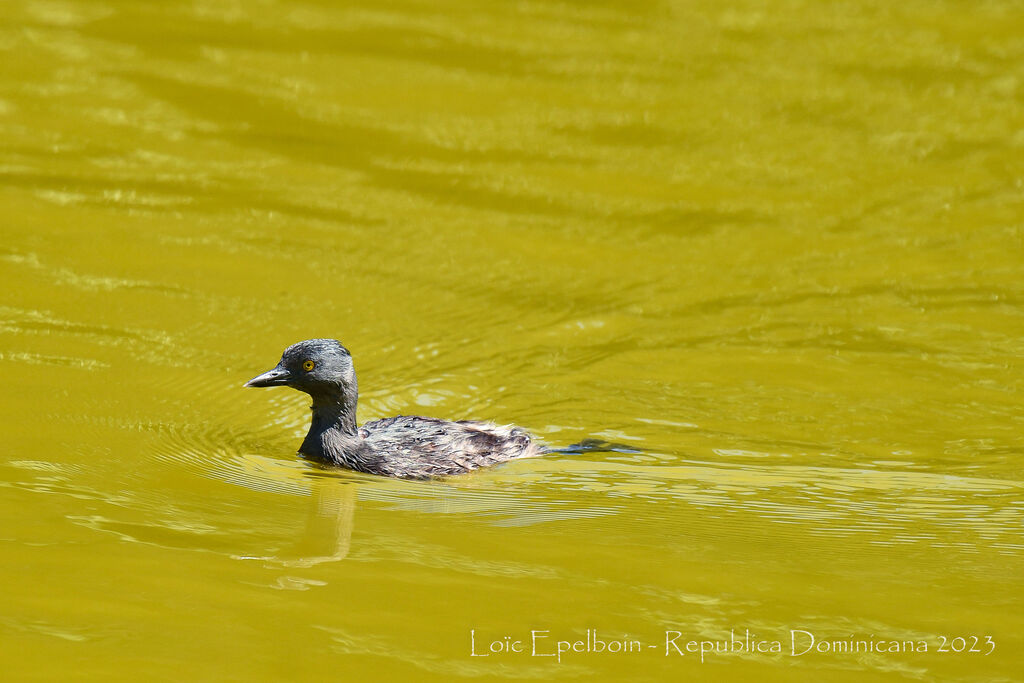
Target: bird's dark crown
315	366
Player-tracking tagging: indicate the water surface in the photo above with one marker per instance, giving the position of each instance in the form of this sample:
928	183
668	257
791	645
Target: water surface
777	250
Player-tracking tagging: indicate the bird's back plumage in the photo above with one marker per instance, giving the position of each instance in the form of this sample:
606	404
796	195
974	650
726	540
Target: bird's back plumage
421	447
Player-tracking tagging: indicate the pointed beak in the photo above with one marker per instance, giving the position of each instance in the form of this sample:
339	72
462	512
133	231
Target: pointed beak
278	377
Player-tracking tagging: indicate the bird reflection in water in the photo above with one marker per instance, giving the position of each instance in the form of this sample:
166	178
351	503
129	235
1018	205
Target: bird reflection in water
329	523
327	536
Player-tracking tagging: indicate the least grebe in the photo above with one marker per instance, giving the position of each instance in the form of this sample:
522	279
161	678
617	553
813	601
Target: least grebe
405	446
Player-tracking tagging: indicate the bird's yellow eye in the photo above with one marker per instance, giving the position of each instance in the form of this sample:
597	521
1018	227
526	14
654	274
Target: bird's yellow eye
308	365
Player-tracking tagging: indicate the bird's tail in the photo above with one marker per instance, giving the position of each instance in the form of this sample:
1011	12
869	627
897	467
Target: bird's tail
595	446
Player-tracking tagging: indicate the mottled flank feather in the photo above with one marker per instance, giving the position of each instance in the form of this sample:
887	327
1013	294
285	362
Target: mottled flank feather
422	447
406	447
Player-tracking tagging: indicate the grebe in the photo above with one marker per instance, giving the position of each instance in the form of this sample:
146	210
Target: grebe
405	447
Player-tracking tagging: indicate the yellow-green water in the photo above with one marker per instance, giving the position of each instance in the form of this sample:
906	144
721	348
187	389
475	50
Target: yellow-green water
777	248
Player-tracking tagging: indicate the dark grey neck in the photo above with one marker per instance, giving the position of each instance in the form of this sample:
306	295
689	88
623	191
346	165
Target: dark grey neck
333	436
334	412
